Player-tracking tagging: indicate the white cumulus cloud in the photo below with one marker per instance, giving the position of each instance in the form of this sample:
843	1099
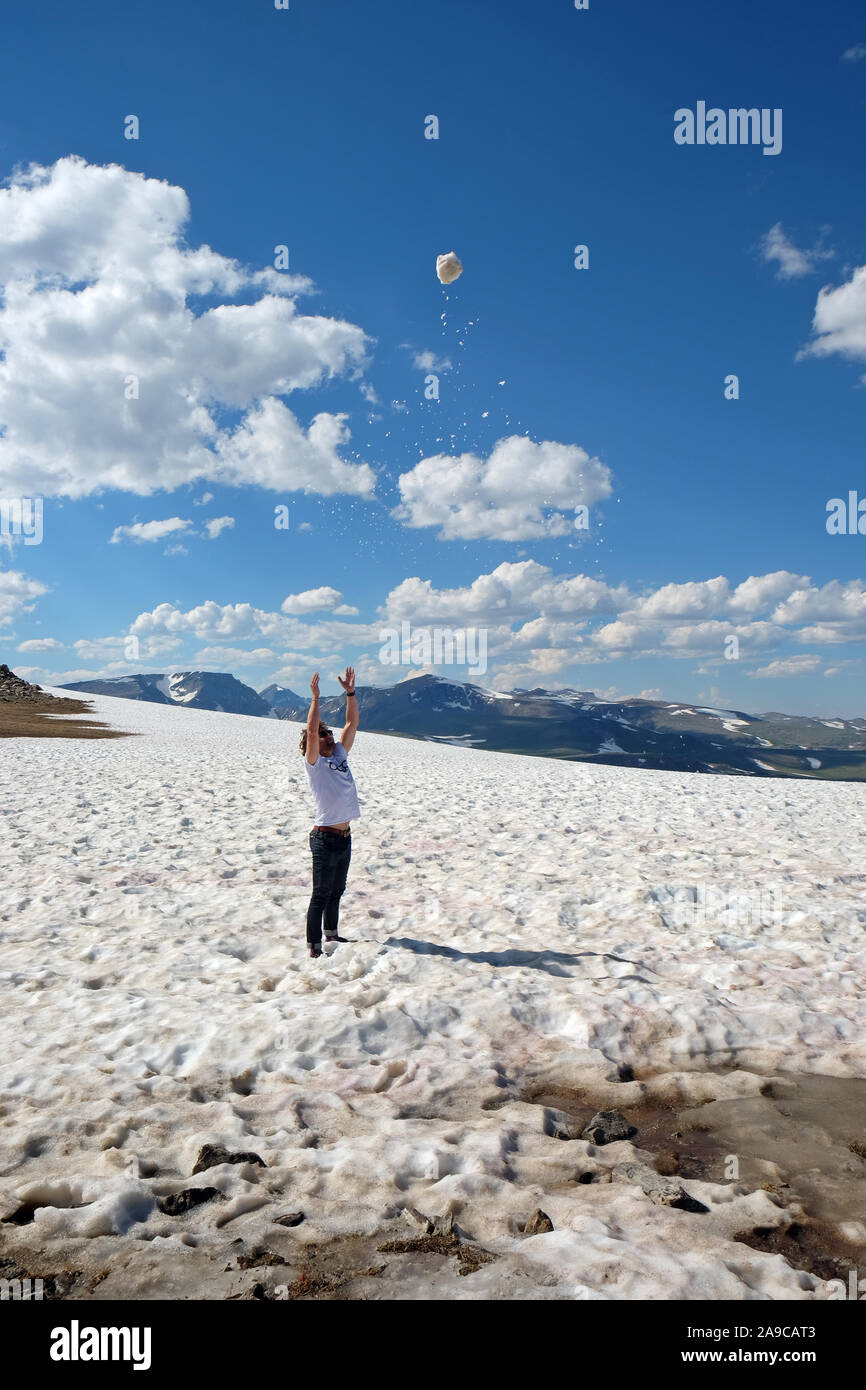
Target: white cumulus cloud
787	666
523	491
791	260
314	600
839	320
41	644
17	594
227	657
110	379
427	361
143	531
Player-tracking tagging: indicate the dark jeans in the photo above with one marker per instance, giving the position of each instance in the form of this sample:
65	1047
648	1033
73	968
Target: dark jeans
331	856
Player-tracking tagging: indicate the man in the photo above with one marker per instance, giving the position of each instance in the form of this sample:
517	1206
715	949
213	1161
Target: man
336	798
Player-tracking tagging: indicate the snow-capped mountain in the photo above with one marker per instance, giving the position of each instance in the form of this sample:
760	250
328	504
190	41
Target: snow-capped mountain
628	733
214	690
280	696
566	723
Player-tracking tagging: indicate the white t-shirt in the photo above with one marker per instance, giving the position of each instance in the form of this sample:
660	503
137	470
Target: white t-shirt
333	788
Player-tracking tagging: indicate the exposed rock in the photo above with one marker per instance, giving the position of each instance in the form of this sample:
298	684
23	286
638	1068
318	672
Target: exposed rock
211	1155
664	1192
560	1125
289	1218
258	1292
588	1175
12	687
428	1225
417	1221
607	1127
180	1202
538	1223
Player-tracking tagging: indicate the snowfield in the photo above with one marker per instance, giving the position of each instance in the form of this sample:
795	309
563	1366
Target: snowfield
515	923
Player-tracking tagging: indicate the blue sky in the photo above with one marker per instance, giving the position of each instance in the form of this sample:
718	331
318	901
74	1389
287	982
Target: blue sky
557	386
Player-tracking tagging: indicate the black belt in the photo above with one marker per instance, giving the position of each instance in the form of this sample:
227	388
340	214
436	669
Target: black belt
332	830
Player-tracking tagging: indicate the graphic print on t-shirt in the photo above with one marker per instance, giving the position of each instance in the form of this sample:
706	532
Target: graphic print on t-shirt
333	788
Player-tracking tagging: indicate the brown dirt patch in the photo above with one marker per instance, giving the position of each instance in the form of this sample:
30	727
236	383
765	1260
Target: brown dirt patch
421	1245
680	1149
806	1245
34	719
799	1128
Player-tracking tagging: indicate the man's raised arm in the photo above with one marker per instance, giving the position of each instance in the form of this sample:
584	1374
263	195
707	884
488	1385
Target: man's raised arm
347	737
312	753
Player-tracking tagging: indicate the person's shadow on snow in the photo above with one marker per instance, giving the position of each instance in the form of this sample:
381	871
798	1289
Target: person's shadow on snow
553	962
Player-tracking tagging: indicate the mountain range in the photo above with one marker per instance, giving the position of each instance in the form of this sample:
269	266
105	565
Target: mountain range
196	689
571	724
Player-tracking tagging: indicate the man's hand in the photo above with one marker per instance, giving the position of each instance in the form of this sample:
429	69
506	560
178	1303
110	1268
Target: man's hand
349	683
314	685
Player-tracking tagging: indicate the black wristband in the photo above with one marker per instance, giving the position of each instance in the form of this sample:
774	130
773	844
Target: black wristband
350	695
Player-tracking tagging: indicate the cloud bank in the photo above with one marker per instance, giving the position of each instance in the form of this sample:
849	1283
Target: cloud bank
110	379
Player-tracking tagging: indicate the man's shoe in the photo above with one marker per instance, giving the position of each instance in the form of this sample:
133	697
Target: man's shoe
336	938
315	951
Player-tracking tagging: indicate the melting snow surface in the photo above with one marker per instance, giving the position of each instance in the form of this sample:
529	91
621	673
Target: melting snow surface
156	994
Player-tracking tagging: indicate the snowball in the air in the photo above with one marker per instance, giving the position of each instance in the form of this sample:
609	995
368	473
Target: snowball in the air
448	267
